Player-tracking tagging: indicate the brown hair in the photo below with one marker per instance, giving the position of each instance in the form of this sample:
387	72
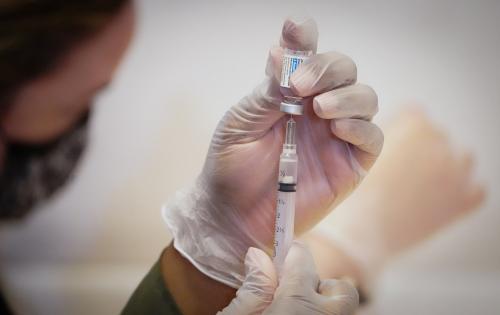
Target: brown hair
34	34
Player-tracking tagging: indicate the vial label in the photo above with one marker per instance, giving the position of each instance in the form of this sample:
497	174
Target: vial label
290	64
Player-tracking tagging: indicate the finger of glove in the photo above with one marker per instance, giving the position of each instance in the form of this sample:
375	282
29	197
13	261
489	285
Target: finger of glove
366	137
299	34
323	72
258	288
353	101
298	275
337	297
296	34
275	63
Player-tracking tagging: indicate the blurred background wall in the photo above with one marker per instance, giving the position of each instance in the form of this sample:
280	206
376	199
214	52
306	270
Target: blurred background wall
86	250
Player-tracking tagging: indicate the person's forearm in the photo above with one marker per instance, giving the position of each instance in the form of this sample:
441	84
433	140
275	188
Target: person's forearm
193	292
332	261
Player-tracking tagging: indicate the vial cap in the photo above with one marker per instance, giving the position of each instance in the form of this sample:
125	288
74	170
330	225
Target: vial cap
292	105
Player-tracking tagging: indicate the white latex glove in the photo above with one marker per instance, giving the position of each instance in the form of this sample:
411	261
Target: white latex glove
299	292
232	204
257	290
419	185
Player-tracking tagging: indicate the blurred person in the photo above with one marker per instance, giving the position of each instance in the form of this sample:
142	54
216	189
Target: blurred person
420	185
54	58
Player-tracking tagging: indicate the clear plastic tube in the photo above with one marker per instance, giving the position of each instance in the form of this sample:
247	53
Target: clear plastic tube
285	204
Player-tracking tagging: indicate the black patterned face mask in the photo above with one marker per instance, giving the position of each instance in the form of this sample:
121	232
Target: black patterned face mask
33	173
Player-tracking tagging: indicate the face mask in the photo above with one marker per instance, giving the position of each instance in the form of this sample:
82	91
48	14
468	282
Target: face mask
33	173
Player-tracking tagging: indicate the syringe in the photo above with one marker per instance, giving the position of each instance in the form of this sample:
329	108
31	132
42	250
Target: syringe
285	208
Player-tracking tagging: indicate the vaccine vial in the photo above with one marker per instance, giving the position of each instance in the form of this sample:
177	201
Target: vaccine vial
291	60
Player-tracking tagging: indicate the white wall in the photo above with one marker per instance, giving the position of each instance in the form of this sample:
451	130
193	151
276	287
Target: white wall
85	251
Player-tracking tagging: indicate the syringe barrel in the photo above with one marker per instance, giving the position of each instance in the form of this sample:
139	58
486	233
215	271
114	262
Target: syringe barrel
284	227
285	205
288	166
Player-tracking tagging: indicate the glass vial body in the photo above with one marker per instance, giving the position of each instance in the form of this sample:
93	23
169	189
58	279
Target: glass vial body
291	60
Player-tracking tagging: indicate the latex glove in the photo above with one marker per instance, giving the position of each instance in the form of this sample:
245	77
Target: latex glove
232	205
299	292
257	290
419	185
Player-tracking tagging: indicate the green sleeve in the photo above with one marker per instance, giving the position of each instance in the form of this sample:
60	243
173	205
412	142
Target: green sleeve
151	296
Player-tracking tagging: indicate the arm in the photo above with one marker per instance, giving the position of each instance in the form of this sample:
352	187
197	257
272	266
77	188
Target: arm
193	292
174	286
419	186
331	261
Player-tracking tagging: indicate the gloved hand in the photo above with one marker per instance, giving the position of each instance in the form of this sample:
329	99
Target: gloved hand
419	185
257	290
232	204
299	291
